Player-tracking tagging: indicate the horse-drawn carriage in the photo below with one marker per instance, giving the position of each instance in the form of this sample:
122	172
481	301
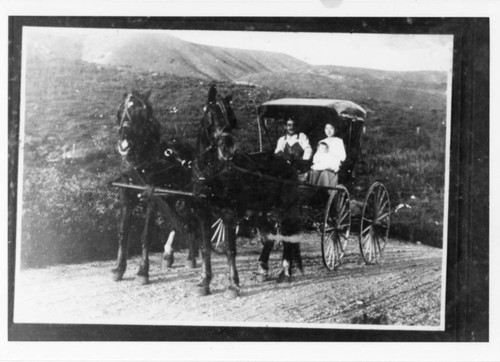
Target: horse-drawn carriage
217	183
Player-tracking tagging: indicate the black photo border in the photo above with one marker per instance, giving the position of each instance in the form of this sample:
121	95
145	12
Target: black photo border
467	277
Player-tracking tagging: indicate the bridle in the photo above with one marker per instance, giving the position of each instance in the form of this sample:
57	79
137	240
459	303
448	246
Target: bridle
127	121
220	132
126	118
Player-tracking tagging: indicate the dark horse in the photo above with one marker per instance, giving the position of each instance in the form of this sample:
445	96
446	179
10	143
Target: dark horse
215	149
235	185
267	198
149	163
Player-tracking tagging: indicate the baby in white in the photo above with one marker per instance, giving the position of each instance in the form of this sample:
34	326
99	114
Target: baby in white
323	160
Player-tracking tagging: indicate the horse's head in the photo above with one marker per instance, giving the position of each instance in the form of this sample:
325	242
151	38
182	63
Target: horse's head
216	125
137	129
225	145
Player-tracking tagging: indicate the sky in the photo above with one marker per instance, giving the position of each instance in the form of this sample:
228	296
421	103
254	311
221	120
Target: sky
377	51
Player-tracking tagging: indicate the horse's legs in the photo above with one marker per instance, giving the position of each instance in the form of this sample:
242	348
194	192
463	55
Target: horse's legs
233	290
192	250
143	273
203	287
297	257
123	235
263	267
168	250
285	274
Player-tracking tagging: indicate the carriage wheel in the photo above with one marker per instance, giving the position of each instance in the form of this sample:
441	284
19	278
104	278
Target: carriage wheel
375	222
336	228
218	239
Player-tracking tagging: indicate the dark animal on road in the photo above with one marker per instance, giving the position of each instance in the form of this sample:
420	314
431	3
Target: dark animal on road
236	185
215	149
149	163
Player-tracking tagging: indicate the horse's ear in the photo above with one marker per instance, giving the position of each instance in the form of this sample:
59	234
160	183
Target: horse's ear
147	95
212	93
233	122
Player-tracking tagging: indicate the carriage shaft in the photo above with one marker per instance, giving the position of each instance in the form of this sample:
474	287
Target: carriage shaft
157	190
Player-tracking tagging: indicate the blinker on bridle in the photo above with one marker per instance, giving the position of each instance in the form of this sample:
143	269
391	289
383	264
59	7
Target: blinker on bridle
219	132
126	119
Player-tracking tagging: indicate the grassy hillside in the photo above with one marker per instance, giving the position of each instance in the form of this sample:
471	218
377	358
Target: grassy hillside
422	79
70	214
168	54
395	87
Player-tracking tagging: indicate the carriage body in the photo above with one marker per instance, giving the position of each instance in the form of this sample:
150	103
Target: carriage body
311	116
330	208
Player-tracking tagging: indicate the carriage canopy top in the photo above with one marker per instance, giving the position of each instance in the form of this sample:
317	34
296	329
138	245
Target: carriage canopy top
286	106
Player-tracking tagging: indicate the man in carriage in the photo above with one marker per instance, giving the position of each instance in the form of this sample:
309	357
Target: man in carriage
294	147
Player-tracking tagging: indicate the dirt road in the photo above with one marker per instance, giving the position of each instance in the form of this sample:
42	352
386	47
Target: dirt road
403	289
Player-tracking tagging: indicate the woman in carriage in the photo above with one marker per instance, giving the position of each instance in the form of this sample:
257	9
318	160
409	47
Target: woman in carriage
327	159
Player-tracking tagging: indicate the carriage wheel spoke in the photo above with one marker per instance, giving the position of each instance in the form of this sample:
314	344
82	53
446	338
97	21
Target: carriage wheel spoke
371	244
217	222
379	194
328	230
343	226
366	241
384	216
373	251
344	206
337	251
215	234
332	254
220	238
344	216
384	205
340	248
331	235
366	229
218	230
367	246
329	252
